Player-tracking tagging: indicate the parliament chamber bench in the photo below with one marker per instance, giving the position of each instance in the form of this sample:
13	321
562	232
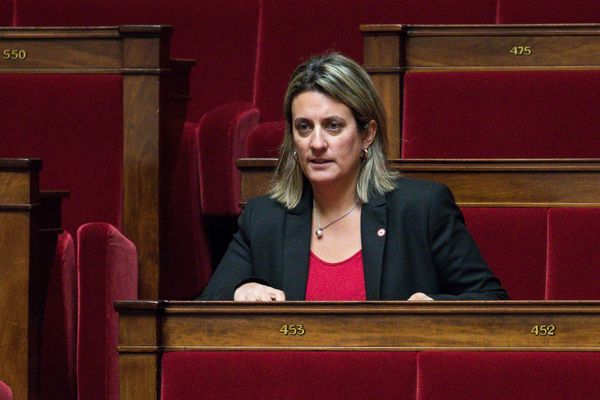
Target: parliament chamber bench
535	221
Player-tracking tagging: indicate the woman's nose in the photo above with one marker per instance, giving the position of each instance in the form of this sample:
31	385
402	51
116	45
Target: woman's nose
318	141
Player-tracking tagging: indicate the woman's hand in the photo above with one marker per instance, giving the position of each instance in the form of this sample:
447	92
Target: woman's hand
419	297
253	291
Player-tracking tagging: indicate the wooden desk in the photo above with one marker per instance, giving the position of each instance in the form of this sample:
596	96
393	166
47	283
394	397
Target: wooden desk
150	328
155	95
29	226
479	183
392	50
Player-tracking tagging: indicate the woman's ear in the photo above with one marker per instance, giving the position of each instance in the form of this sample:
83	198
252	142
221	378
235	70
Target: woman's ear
370	133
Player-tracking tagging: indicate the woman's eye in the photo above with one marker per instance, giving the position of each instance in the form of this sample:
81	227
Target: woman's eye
302	127
334	126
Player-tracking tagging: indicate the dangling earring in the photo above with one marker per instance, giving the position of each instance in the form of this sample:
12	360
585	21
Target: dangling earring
295	155
364	153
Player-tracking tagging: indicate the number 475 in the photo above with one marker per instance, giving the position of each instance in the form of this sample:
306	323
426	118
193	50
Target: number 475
521	51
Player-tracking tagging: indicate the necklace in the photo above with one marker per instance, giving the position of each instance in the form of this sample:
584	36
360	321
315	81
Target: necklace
319	231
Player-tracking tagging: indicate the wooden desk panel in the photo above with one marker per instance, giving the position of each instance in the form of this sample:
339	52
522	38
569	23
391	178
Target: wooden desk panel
479	183
155	94
148	329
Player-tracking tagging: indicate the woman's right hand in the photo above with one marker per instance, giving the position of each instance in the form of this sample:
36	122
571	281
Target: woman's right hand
253	291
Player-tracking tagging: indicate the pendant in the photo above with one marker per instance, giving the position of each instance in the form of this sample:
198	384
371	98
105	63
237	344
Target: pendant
319	233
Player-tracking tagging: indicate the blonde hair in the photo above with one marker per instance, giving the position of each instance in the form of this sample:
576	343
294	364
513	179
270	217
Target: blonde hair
345	81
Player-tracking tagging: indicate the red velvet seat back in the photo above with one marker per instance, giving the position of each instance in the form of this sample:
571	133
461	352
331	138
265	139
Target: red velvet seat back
219	141
513	242
508	375
539	114
221	35
548	11
107	271
59	334
6	12
573	254
291	31
288	375
5	392
74	124
266	139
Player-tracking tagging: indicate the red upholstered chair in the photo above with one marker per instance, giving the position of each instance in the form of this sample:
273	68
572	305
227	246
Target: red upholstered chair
513	242
5	392
501	115
107	271
508	375
547	11
59	334
266	139
573	254
288	375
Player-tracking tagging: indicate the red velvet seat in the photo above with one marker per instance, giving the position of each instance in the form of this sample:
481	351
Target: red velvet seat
508	375
59	334
573	254
288	375
5	392
513	242
501	115
220	139
548	11
107	271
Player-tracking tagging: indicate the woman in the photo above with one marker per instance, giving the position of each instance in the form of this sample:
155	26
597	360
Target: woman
337	224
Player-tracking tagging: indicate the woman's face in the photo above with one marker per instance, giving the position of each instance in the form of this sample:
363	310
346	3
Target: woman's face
327	139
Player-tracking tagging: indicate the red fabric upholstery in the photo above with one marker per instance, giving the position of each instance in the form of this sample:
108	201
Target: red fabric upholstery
573	254
513	242
5	392
6	12
288	375
221	140
290	31
188	256
265	140
59	334
90	12
547	11
501	115
221	35
510	375
74	124
107	271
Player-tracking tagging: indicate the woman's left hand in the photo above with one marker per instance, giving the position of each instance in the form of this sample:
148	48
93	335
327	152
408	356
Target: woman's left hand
419	297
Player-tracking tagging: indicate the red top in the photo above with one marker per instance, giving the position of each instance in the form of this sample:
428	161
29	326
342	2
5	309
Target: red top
344	280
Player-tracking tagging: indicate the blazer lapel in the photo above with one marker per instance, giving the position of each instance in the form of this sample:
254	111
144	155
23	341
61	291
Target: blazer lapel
373	232
297	248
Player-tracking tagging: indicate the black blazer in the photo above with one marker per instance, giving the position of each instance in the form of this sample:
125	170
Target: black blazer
426	248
